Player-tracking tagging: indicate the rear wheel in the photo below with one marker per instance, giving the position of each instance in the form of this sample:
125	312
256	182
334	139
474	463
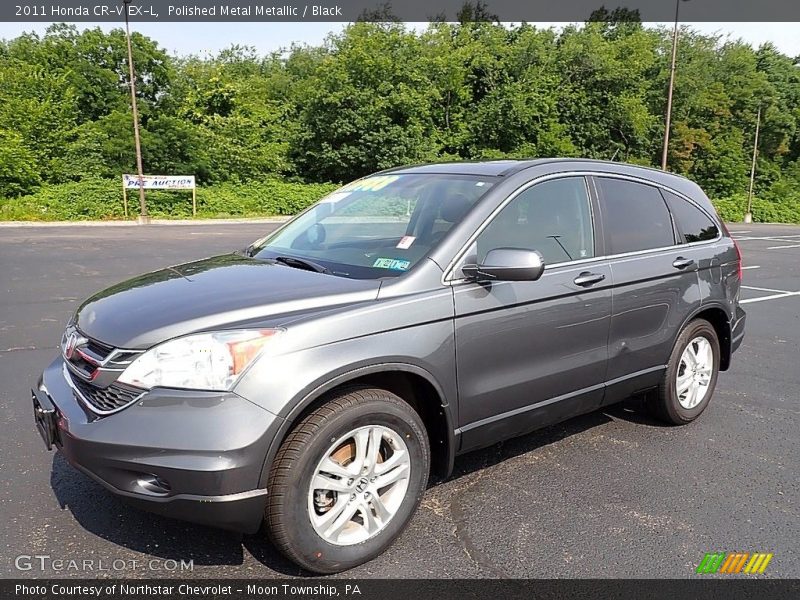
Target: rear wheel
691	376
347	480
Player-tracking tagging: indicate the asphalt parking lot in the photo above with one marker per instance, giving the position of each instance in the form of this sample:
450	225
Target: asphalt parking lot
610	494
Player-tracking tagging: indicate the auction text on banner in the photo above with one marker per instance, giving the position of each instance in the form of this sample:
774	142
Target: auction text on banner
160	182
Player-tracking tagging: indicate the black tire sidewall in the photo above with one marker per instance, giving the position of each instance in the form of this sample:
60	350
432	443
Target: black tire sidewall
675	411
312	550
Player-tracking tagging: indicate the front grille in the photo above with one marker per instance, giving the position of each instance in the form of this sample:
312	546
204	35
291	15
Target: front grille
105	400
82	365
97	350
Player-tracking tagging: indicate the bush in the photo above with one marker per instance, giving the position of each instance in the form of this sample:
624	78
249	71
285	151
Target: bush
780	210
17	166
101	199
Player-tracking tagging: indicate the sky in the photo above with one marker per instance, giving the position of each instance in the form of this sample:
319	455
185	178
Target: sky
209	38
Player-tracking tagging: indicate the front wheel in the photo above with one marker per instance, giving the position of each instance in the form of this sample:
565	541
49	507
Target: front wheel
691	375
347	480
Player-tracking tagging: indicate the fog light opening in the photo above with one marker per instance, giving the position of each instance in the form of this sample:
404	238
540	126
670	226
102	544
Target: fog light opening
153	484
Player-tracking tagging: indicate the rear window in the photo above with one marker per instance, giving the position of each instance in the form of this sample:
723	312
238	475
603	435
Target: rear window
693	224
635	216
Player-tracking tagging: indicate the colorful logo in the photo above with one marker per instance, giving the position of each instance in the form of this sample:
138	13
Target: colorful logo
734	562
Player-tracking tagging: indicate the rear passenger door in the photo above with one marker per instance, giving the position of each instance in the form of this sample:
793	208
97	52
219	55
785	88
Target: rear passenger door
696	229
655	283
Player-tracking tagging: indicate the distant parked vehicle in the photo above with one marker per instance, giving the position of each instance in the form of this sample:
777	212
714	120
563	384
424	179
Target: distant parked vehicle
314	379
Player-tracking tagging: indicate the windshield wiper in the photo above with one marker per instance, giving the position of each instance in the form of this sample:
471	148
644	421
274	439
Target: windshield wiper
300	263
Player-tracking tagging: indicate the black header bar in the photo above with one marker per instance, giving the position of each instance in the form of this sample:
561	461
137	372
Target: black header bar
400	10
699	588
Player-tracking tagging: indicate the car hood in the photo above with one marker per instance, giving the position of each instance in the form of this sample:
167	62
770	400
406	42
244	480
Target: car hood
228	290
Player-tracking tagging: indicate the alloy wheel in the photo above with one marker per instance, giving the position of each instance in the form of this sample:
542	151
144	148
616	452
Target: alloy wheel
694	372
359	485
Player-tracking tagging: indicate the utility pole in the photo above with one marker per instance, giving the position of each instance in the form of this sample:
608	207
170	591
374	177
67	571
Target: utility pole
748	216
671	85
144	218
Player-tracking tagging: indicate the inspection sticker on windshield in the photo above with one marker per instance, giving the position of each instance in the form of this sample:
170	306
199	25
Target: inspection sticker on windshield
405	242
370	184
395	264
334	197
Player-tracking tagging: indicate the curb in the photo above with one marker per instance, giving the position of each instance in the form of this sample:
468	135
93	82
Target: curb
159	222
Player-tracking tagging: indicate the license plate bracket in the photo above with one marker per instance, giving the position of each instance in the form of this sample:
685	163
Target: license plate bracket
45	416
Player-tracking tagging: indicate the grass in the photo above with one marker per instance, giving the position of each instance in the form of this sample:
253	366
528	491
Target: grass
101	199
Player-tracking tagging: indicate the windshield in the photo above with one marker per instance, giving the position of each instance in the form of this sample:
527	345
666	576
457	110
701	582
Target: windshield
379	226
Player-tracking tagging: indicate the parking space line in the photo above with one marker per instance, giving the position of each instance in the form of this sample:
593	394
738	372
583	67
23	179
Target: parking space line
760	289
769	238
779	247
773	297
751	267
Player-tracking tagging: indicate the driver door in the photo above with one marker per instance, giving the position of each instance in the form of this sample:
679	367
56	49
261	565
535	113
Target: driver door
531	353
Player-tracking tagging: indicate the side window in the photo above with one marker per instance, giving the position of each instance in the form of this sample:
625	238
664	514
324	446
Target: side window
693	223
635	216
553	217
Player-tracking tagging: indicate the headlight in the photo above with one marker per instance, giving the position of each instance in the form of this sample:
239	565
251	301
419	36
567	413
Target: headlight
205	361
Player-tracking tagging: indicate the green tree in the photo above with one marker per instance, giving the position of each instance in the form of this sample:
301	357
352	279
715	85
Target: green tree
18	173
365	106
377	95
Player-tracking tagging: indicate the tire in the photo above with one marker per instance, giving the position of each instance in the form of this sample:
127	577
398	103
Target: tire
672	405
295	513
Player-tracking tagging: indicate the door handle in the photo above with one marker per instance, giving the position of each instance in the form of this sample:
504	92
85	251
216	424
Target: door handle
586	279
682	263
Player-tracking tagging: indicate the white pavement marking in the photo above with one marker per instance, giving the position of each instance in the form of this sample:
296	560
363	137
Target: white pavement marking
751	267
769	238
769	297
760	289
779	247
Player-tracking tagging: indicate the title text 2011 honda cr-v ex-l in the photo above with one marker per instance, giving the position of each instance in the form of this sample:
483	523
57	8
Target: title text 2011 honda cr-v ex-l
313	380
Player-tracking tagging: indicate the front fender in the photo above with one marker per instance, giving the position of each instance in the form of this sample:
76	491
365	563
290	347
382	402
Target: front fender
287	384
328	384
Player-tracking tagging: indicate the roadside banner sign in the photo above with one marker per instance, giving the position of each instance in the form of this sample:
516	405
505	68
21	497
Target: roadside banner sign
160	182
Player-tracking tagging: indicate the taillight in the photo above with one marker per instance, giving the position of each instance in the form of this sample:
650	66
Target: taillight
738	259
738	252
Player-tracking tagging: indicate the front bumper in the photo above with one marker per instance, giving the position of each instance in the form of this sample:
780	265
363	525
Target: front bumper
196	456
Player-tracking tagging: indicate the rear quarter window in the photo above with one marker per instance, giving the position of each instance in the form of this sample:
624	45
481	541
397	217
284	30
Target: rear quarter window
693	224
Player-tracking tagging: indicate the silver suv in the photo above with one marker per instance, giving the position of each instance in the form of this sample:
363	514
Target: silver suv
313	380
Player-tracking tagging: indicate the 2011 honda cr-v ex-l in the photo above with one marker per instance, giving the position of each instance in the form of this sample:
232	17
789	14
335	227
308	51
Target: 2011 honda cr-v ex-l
313	380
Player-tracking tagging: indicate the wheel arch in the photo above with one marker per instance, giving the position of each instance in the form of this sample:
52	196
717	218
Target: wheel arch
412	383
720	321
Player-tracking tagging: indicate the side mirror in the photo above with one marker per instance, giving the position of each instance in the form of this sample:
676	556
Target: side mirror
507	264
